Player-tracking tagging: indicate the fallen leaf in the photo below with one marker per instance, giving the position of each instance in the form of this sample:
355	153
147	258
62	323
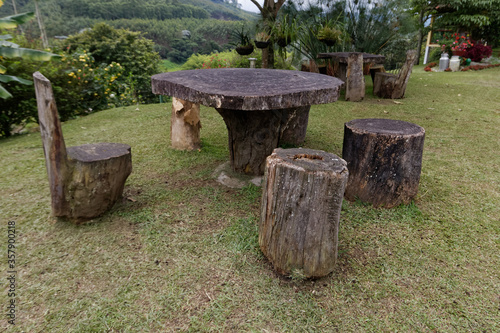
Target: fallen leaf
131	199
396	102
430	108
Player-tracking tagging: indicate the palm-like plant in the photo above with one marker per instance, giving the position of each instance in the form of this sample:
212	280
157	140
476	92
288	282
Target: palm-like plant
12	50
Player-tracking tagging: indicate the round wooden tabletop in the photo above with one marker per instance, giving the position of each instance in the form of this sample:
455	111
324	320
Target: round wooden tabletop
248	89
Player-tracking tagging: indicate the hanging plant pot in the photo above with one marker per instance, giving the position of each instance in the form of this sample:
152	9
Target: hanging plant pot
328	42
283	41
244	50
261	44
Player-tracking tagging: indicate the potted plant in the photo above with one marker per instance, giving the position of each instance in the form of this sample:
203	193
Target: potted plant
262	40
329	35
243	44
284	31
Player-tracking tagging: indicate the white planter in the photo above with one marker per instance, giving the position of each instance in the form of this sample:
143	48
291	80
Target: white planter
455	63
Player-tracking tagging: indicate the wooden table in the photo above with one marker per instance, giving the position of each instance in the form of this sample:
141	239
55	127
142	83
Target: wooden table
261	107
349	68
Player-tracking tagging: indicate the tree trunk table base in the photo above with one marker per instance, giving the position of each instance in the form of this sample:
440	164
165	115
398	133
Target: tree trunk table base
384	158
253	135
300	210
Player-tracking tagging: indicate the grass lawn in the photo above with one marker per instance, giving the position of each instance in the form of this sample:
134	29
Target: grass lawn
180	252
168	66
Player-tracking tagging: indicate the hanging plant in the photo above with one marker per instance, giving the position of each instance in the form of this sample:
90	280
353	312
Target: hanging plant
262	40
242	41
284	31
329	35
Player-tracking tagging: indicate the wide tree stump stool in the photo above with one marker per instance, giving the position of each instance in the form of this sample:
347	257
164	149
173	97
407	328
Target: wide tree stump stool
300	210
384	158
85	181
185	125
96	178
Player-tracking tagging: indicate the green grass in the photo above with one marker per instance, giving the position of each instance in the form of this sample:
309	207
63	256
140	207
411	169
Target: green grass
180	252
169	66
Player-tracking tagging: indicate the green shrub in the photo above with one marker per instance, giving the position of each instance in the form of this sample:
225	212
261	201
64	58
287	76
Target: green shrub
132	51
224	59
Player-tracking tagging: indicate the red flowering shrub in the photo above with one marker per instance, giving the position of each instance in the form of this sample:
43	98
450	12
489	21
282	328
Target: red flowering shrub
478	51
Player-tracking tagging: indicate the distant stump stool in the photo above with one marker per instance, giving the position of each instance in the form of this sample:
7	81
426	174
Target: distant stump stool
384	158
300	210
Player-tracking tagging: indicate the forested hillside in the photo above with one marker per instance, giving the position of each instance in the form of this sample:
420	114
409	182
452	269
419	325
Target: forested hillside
208	21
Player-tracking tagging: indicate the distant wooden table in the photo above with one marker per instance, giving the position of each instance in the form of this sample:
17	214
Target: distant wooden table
342	57
349	68
258	105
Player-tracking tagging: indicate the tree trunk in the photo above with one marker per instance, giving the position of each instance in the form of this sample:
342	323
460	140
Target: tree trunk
300	210
185	125
420	36
384	158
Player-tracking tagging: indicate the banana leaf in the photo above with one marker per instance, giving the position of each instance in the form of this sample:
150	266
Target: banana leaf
10	78
4	93
10	22
14	52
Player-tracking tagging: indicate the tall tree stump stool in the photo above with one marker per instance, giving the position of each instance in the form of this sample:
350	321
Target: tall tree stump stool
355	85
85	181
185	125
384	158
300	210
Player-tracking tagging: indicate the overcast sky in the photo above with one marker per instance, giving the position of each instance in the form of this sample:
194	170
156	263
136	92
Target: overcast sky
249	6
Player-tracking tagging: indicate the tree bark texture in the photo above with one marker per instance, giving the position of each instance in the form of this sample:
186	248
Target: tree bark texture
185	125
300	210
54	147
253	135
355	86
86	180
384	158
97	178
293	125
387	85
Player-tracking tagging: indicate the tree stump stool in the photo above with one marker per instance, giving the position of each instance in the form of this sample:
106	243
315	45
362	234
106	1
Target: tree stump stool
355	85
300	210
384	158
185	125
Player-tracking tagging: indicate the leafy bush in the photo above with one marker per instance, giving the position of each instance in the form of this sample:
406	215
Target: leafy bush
478	51
80	84
135	54
224	59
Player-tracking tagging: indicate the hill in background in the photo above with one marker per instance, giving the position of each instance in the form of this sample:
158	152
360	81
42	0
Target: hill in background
208	21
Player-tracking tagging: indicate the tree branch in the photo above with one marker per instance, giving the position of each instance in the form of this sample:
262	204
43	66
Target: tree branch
258	5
